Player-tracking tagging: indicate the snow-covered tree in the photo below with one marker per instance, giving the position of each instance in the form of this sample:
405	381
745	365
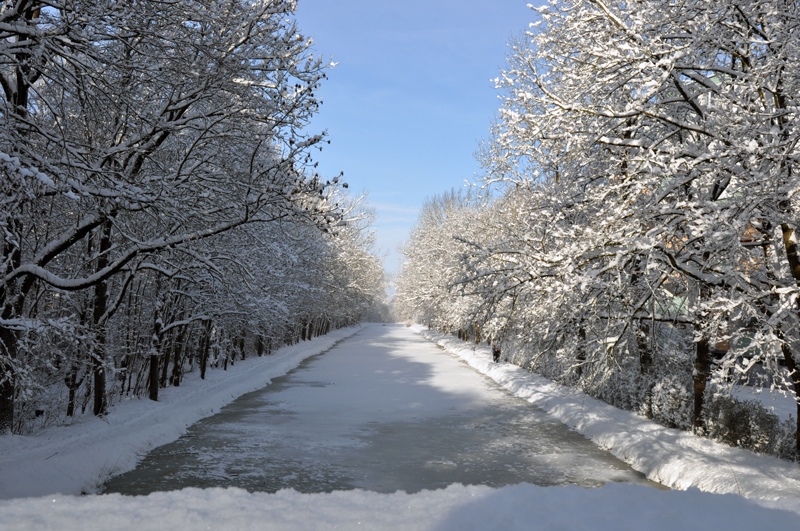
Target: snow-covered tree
129	133
426	290
670	130
645	234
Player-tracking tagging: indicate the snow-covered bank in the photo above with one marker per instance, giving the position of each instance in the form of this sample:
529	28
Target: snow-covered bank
672	457
80	457
517	507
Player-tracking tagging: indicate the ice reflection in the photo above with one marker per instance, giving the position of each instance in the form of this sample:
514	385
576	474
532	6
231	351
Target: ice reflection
375	414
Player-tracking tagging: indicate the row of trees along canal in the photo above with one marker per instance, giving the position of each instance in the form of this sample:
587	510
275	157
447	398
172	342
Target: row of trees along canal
635	230
159	209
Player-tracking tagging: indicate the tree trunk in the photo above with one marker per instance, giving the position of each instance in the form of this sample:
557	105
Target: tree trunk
100	308
793	372
204	350
88	395
154	358
163	367
12	256
581	356
641	328
8	342
790	245
642	345
702	370
72	386
153	378
177	356
8	337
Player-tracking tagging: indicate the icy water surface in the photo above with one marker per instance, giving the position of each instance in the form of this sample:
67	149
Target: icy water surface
384	411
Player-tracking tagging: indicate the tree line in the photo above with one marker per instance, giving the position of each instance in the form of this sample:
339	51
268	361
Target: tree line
159	207
634	230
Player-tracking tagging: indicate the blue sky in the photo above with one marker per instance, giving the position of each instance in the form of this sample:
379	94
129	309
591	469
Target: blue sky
410	98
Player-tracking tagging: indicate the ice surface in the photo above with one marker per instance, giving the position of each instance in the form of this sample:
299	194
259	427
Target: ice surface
382	411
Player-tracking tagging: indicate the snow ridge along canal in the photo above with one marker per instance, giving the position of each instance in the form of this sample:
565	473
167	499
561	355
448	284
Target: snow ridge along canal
384	410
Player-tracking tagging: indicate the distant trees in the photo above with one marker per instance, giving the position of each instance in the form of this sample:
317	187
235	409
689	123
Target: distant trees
156	182
644	245
432	258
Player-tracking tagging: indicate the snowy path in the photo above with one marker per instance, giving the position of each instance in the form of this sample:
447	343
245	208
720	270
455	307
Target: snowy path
384	410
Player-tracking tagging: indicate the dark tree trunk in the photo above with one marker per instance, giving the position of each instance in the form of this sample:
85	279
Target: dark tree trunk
702	361
204	350
702	370
643	346
8	337
177	357
641	329
790	245
18	100
260	345
8	342
72	386
154	358
99	373
793	371
87	396
153	378
581	355
100	308
163	366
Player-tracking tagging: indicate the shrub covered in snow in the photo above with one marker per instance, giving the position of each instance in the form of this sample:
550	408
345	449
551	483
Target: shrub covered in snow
671	402
747	424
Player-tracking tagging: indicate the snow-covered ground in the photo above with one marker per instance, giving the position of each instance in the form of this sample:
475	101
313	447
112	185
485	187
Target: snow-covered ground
79	458
672	457
615	507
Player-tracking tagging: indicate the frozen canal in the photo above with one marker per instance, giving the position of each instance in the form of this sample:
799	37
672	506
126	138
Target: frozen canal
383	410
